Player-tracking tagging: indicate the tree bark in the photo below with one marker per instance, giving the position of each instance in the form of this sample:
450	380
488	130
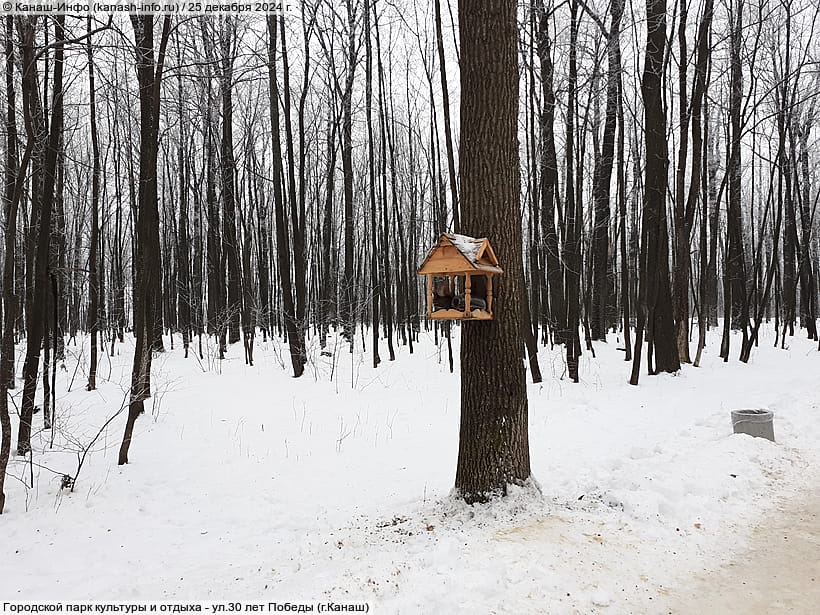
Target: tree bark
10	202
348	279
697	184
626	305
735	258
296	201
294	334
184	295
493	441
572	242
655	301
548	170
375	278
147	264
387	149
94	248
445	103
602	180
807	278
36	321
230	245
683	225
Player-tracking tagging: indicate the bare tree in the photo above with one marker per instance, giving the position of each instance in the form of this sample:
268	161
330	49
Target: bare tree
37	316
603	178
655	301
94	249
548	171
11	198
147	264
294	332
230	246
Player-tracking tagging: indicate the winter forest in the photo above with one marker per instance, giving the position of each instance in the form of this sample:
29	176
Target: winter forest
222	373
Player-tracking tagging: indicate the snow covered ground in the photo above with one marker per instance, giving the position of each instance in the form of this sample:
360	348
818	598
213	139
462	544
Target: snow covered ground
247	484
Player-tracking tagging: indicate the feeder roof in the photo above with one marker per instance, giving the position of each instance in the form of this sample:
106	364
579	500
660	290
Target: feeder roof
459	254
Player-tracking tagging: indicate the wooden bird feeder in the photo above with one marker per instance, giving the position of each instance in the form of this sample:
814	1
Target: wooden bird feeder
460	272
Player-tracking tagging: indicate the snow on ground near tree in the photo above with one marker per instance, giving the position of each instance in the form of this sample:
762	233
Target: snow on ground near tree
247	484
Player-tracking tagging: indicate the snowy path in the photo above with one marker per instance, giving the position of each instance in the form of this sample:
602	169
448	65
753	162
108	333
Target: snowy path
779	572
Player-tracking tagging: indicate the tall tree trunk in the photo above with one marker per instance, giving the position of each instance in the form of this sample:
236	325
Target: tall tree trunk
494	441
58	277
215	274
36	322
117	273
297	202
548	170
626	306
375	281
735	258
263	256
146	264
94	248
348	280
445	103
294	332
697	184
807	277
387	144
572	243
655	301
683	224
602	180
11	198
184	294
329	298
230	245
249	302
714	218
785	119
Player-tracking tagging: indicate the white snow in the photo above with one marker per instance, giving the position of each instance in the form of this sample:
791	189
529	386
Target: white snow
247	484
468	246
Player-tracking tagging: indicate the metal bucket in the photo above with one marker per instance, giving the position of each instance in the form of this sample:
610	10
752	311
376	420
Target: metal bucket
757	423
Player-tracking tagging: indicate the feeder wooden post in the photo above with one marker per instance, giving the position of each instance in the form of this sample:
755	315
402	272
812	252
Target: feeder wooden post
467	297
429	295
490	293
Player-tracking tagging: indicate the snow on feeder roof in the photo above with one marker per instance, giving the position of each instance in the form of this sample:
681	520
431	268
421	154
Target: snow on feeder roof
460	254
